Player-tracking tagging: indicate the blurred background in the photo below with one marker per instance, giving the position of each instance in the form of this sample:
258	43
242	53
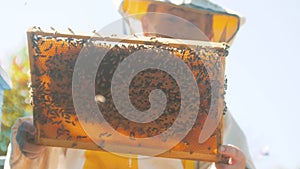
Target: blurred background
262	67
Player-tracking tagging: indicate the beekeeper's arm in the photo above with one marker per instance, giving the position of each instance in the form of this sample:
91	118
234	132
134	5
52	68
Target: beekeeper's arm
23	154
234	136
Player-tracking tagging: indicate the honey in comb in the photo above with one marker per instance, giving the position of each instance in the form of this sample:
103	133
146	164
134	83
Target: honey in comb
52	60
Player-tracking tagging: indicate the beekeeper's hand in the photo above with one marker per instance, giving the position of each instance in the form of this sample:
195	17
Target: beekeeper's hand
25	138
237	159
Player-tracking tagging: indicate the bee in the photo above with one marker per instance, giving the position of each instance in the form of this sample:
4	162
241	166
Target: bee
74	144
81	42
102	134
186	143
80	137
52	29
42	42
56	50
39	28
49	47
152	38
131	134
70	30
95	32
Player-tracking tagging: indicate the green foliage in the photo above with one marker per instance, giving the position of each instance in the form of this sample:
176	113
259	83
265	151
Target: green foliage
16	101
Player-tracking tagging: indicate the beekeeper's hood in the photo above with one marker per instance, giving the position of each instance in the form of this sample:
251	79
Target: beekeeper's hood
224	23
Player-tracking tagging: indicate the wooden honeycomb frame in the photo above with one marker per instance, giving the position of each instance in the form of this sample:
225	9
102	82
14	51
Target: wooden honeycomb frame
52	59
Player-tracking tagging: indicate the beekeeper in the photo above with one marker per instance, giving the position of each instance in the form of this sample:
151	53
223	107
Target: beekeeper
194	20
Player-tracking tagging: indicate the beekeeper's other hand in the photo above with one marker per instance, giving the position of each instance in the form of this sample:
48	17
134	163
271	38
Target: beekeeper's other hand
237	159
25	138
